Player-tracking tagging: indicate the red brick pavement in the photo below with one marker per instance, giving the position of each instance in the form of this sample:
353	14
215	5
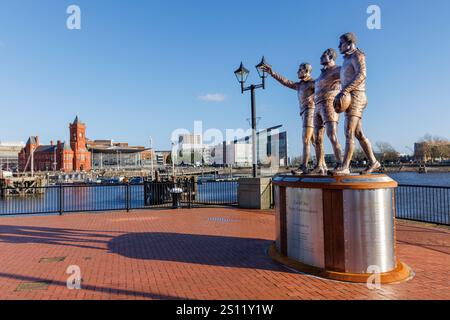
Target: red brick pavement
218	253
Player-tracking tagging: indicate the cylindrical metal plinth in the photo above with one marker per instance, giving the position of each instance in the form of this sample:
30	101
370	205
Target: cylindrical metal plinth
369	230
338	225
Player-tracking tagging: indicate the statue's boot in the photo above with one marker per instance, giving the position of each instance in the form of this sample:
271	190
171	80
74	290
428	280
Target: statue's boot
342	171
304	169
336	168
373	163
321	170
301	170
372	167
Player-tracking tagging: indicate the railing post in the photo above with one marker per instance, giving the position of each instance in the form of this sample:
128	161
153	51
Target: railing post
145	193
190	194
127	196
61	199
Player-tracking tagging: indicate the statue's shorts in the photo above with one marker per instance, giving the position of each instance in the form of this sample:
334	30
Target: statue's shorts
325	113
308	118
357	105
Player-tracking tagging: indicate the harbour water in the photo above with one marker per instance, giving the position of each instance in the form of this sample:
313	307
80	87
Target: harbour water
104	197
439	179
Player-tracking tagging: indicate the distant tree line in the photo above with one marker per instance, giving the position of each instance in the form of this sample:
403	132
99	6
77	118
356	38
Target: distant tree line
428	148
432	148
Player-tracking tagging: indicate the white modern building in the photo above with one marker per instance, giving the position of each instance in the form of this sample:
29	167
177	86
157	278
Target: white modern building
271	150
236	154
190	150
9	155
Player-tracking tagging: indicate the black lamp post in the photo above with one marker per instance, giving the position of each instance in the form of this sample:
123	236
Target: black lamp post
241	75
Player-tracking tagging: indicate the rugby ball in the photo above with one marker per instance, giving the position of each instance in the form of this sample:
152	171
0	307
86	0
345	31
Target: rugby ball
342	103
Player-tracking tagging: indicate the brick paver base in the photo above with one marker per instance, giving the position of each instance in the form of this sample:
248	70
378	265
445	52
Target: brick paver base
218	253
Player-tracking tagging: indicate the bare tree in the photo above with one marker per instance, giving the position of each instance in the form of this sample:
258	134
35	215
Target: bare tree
439	150
359	155
446	151
387	151
435	147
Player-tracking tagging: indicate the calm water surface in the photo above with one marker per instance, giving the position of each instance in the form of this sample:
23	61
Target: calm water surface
109	197
441	179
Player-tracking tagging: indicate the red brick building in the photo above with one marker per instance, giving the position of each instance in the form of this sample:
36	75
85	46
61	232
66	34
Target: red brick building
60	157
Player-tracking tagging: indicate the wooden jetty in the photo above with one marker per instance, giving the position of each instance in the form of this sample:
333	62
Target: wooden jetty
22	186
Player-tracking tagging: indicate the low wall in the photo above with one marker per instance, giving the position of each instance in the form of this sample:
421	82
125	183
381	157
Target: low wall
255	193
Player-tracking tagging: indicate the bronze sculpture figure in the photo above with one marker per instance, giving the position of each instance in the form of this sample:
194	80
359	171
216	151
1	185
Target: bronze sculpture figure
305	91
352	99
327	86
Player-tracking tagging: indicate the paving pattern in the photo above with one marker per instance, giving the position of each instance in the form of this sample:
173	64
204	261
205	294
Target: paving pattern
214	253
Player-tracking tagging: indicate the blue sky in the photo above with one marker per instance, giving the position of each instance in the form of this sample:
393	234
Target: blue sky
137	68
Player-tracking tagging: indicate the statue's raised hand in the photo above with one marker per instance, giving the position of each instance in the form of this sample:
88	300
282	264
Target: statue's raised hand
267	68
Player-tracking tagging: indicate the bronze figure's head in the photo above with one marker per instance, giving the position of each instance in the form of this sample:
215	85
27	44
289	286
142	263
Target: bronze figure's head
328	58
347	42
304	71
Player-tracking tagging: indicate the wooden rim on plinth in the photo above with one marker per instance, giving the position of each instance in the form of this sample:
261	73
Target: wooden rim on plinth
347	182
401	273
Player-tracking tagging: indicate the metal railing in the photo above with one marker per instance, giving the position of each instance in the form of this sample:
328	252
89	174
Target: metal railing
108	197
413	202
419	203
423	203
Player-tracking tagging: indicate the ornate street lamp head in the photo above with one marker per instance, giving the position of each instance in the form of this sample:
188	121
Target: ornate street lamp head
241	74
260	68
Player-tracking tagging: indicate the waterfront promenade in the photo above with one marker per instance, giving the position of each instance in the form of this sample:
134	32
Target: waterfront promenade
213	253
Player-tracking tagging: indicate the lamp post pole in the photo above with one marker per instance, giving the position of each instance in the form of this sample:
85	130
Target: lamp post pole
173	160
151	156
32	161
254	141
241	75
54	159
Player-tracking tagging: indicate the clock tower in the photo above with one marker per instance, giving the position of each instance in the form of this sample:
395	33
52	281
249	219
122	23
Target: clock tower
81	157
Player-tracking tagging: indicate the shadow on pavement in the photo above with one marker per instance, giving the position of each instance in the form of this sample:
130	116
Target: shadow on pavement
93	288
52	236
199	249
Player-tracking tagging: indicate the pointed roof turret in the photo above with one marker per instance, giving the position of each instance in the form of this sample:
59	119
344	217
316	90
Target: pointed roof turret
32	140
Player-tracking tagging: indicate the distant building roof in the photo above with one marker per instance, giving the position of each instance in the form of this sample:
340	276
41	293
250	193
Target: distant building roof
116	149
45	148
109	146
261	132
103	142
10	149
12	144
